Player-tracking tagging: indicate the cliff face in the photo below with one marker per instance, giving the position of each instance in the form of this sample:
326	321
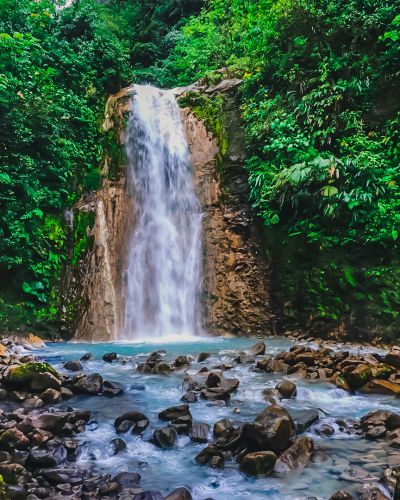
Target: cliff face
235	276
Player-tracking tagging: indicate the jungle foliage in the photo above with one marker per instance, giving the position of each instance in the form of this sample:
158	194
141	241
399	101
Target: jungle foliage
320	104
57	66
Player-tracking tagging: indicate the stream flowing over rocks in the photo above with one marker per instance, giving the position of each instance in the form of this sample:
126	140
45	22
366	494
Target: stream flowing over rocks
214	418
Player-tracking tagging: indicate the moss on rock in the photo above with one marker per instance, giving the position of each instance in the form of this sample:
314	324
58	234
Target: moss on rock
23	374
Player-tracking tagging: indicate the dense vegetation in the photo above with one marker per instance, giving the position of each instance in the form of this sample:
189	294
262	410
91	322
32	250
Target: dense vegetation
57	67
320	103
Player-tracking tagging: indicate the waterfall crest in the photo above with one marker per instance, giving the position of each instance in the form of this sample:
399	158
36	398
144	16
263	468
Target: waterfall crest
162	280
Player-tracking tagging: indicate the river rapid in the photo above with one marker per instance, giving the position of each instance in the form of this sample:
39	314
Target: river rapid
165	470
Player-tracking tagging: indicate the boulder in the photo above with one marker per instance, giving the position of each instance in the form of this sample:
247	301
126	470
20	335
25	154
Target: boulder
13	439
392	358
213	380
162	369
383	387
258	349
297	456
175	412
148	495
304	419
87	357
359	376
117	445
179	494
87	384
208	455
165	437
341	495
112	388
137	422
199	432
388	419
258	463
189	397
223	428
203	356
181	361
226	387
109	357
50	396
127	479
270	431
73	366
37	376
286	389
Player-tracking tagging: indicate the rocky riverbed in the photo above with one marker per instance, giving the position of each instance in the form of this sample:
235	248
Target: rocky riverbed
212	418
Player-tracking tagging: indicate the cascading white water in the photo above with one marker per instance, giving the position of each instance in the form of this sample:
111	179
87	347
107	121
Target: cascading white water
163	275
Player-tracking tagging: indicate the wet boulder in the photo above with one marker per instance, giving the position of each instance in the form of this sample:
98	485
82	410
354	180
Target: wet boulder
112	388
199	432
258	349
297	456
87	357
87	384
12	439
271	430
223	391
149	495
211	456
213	379
179	494
181	361
189	397
223	428
286	389
203	356
341	495
175	412
383	387
135	421
117	445
109	357
162	369
165	437
392	358
359	376
258	463
37	376
73	366
50	396
304	419
127	479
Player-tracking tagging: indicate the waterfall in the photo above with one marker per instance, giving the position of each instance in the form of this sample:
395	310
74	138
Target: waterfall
162	280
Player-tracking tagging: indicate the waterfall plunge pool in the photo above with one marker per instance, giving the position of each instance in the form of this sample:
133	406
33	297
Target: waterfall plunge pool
165	470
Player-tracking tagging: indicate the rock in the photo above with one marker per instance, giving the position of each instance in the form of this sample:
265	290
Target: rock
37	376
109	489
138	422
341	495
258	349
13	439
262	364
87	384
297	456
181	361
50	396
223	391
73	366
189	397
199	432
148	495
274	365
203	356
304	419
112	388
87	357
392	358
162	369
359	376
286	389
206	456
224	85
179	494
377	432
175	412
245	358
259	463
52	456
127	479
325	430
384	387
137	387
117	445
66	393
165	437
271	430
109	357
357	476
223	428
213	380
388	419
382	371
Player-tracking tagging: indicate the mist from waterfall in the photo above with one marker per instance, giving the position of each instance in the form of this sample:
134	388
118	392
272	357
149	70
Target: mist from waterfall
162	281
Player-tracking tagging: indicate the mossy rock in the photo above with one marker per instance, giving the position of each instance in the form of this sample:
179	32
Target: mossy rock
359	376
4	494
382	371
23	374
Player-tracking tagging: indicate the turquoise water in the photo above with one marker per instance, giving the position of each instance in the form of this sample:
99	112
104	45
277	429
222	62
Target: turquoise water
167	469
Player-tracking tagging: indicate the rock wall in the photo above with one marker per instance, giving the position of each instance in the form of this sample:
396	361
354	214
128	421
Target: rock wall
235	275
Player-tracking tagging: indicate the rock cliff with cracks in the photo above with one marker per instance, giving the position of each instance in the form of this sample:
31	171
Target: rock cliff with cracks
235	274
